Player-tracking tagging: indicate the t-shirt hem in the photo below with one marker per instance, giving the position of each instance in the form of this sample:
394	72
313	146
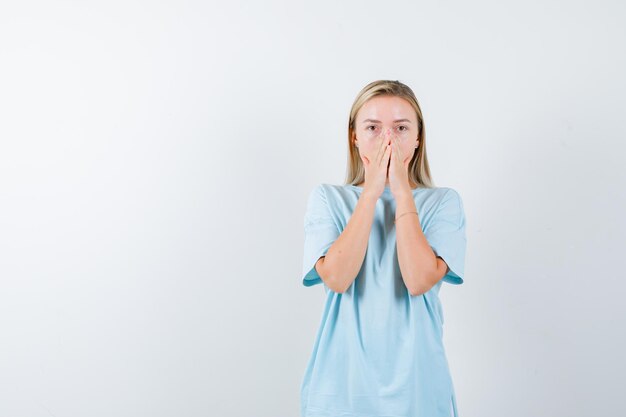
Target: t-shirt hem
322	412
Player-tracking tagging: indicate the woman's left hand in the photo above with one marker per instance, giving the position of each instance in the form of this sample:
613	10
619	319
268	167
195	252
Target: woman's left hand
398	169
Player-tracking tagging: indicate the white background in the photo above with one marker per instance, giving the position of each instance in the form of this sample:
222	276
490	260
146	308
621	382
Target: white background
155	161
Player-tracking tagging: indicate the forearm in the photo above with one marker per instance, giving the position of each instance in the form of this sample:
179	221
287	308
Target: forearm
345	256
418	263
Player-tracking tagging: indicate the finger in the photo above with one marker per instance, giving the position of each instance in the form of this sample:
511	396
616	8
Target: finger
381	150
386	155
387	142
400	156
396	150
388	151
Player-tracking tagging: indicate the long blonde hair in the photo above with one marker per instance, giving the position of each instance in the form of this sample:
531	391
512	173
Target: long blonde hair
419	172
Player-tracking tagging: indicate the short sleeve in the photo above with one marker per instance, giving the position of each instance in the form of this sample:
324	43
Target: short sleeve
446	235
320	231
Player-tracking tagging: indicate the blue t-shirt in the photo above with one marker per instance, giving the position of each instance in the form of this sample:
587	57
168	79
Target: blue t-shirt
379	351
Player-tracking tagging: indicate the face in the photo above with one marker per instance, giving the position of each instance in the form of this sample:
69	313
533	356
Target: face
385	115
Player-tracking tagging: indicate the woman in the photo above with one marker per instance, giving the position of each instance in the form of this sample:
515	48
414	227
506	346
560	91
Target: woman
382	245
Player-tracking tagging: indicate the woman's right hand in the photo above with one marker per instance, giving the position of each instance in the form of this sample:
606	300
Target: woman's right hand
376	170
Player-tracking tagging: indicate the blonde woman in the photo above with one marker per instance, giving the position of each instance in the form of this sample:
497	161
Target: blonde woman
382	245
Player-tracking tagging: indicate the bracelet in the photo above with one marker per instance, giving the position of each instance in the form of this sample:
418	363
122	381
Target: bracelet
408	212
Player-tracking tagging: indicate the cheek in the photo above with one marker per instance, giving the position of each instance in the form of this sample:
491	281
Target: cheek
407	148
369	143
368	149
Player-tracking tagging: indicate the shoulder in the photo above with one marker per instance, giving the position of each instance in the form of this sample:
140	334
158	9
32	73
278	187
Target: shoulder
446	194
451	193
328	192
440	202
322	188
446	191
322	196
434	197
319	192
449	203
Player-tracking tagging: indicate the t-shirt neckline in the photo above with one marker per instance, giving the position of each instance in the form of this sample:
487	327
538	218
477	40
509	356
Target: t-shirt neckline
386	190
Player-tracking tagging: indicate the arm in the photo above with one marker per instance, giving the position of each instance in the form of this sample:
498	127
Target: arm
341	264
419	266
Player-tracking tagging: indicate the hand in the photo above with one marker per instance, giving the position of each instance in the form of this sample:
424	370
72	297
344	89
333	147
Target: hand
376	170
398	169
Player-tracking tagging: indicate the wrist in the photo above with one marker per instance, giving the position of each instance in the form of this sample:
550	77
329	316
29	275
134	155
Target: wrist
367	195
398	216
404	196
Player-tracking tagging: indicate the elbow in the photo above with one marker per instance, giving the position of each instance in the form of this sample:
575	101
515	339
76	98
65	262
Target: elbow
419	291
333	285
426	281
337	290
415	292
337	285
419	287
328	275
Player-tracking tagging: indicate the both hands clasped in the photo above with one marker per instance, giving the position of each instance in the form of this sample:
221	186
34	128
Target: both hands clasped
388	163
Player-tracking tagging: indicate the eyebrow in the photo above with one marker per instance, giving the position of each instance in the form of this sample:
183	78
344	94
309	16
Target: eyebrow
378	121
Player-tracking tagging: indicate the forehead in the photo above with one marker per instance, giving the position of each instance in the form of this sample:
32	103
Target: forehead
386	108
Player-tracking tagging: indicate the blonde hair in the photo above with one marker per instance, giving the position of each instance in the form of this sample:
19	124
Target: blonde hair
419	172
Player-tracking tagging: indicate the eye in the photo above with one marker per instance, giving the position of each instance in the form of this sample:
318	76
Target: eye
368	127
404	128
